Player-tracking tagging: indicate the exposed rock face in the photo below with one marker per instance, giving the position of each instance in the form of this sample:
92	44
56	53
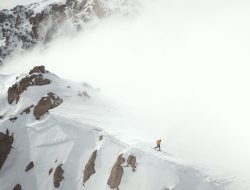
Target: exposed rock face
90	167
6	142
23	26
29	166
17	187
45	104
18	88
38	69
132	162
27	110
116	173
58	176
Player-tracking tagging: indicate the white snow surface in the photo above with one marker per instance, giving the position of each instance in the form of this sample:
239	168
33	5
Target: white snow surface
69	134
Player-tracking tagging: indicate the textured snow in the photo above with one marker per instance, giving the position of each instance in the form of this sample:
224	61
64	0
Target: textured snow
70	133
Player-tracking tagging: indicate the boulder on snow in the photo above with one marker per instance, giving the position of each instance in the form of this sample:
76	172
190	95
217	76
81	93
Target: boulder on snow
6	141
17	187
116	173
45	104
90	167
58	176
132	162
29	166
18	88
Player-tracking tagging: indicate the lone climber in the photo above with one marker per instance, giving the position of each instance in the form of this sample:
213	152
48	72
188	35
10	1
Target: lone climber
158	143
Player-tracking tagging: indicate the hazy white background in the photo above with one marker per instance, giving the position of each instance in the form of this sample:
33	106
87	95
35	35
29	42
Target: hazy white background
182	67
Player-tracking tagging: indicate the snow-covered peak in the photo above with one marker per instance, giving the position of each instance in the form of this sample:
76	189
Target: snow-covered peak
24	26
67	145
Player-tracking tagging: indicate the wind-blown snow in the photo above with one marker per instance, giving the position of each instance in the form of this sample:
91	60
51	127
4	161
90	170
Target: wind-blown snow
182	68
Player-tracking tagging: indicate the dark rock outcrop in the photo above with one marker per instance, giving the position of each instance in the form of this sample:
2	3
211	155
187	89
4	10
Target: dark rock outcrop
6	141
27	110
90	167
116	173
18	88
22	27
50	170
45	104
17	187
38	69
132	162
13	119
58	176
29	166
100	137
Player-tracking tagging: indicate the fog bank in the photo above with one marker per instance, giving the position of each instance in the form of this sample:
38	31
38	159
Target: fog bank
181	67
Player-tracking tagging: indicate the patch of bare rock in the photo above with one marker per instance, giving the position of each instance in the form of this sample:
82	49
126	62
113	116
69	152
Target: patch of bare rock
27	110
58	176
116	173
131	161
17	187
13	119
90	167
50	170
29	166
35	78
45	104
6	141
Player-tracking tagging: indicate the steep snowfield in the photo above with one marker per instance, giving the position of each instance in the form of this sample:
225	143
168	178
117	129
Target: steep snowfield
71	132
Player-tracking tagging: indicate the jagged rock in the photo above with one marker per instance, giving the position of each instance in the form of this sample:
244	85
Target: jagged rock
50	170
17	187
90	167
27	110
132	162
58	176
29	166
6	141
13	119
21	26
45	104
18	88
38	69
116	173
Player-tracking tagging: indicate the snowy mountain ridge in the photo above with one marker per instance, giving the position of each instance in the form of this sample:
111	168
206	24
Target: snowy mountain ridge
25	26
54	136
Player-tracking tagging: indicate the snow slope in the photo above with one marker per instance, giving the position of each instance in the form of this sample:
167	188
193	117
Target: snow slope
69	133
